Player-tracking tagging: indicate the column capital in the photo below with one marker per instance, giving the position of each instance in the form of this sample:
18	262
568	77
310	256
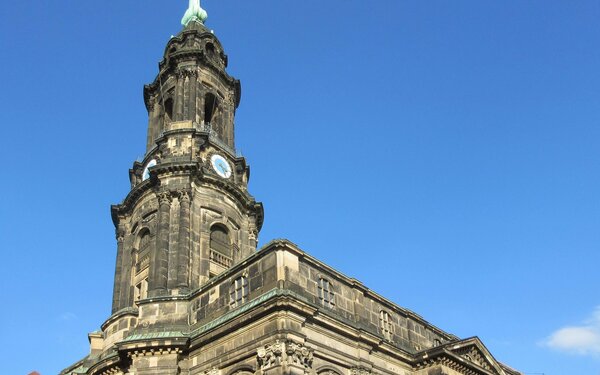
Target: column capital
120	234
184	195
164	197
189	72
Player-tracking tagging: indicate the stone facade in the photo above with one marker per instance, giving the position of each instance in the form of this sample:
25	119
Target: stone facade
193	296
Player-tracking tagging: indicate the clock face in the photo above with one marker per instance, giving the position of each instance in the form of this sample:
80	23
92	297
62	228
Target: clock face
146	173
221	166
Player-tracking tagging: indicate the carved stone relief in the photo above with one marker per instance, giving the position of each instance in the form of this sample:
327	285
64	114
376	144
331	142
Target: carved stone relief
477	358
285	353
359	371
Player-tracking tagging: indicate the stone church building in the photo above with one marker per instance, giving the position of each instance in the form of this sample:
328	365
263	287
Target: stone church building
193	295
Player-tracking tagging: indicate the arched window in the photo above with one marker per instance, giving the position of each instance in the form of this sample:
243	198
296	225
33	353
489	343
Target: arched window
144	241
169	110
220	246
238	291
141	264
211	106
210	49
385	325
325	293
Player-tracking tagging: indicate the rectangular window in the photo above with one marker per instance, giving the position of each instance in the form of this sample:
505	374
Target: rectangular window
238	292
385	324
141	290
325	293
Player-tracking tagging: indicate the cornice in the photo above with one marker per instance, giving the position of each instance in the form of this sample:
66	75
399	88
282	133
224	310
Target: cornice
139	190
457	364
180	38
167	67
104	365
128	311
249	202
284	244
449	355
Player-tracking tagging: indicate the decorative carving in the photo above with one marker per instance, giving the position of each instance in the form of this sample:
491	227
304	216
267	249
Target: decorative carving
189	72
212	371
299	355
270	355
253	234
184	196
164	198
475	356
289	353
359	371
120	234
151	103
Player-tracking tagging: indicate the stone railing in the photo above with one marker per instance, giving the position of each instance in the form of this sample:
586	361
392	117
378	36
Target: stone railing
220	259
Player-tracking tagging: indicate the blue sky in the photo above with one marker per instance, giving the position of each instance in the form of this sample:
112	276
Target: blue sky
445	153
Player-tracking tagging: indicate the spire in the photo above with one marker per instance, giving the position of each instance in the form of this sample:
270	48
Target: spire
194	13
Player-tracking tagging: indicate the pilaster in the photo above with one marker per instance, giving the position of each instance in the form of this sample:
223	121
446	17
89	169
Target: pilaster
179	93
183	255
160	257
120	236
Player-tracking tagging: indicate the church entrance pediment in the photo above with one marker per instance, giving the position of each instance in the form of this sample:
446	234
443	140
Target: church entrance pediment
467	356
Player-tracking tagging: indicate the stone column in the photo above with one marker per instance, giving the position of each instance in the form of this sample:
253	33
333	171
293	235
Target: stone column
179	96
228	123
160	257
117	303
193	90
186	94
183	255
152	122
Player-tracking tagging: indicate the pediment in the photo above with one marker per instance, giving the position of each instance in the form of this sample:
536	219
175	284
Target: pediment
473	351
467	356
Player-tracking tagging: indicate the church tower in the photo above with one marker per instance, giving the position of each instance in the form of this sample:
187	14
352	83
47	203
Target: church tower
193	296
188	216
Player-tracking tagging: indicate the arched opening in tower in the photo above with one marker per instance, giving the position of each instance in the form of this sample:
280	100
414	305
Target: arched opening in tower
169	110
210	108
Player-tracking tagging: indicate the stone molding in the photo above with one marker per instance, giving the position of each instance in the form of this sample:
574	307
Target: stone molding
451	364
153	352
111	371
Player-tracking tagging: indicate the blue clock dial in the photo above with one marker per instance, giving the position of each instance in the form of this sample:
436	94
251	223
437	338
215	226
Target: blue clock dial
221	166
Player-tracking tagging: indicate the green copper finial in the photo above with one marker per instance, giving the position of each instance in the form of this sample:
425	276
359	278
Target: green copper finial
194	13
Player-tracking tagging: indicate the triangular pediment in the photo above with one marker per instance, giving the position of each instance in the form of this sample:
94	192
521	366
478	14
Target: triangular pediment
473	351
467	356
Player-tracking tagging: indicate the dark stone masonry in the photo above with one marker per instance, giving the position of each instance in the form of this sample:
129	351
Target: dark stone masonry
192	295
